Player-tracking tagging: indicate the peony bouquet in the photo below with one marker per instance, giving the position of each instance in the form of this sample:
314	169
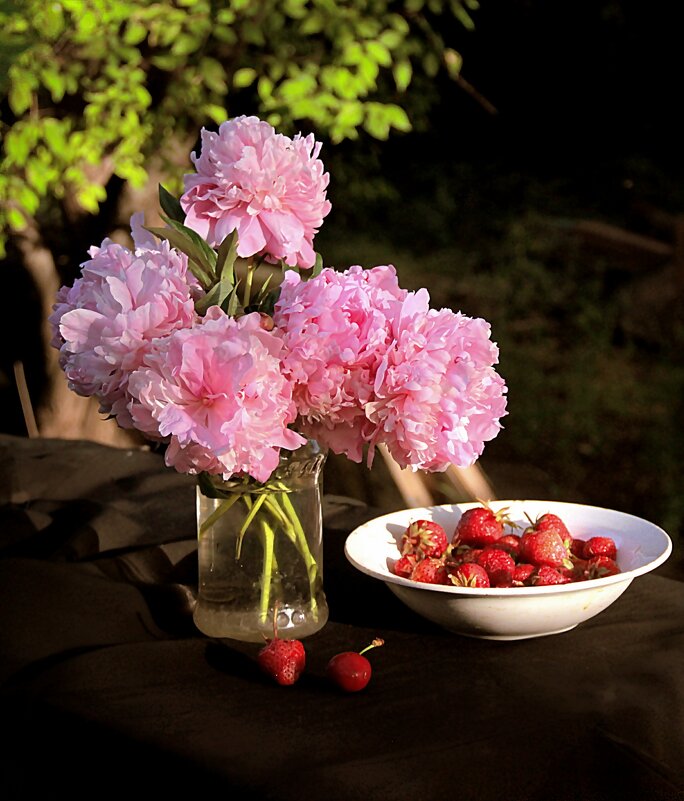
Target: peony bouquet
177	338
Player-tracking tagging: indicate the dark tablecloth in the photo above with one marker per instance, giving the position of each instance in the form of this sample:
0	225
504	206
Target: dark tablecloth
108	689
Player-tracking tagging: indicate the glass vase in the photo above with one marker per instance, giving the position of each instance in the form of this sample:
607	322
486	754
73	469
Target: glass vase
260	552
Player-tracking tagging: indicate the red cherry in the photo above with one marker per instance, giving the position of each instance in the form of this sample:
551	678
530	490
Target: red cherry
351	670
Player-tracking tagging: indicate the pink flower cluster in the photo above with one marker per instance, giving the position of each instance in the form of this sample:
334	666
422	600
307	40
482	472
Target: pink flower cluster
217	392
107	321
268	187
372	363
352	359
336	329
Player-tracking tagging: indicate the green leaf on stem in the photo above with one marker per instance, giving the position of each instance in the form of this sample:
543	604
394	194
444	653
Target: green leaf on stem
171	205
318	265
206	252
225	261
232	305
185	240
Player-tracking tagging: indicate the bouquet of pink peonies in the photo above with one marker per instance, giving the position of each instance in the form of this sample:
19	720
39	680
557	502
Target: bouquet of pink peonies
177	339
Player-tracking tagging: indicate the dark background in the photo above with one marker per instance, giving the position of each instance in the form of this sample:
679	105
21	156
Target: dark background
486	210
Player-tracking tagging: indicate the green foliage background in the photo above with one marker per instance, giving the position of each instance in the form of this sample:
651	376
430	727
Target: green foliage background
100	96
107	82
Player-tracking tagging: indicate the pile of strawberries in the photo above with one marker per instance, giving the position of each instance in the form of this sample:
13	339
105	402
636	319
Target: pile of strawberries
482	554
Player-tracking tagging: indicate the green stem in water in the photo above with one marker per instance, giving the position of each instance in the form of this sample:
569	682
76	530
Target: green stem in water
266	571
303	546
252	514
220	510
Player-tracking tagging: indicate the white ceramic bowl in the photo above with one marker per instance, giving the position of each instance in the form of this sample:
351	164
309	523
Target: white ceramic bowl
512	613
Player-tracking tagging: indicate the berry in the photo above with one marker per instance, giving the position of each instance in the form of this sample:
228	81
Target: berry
470	574
499	565
424	538
283	660
404	565
546	574
350	670
430	571
578	571
544	547
577	547
510	543
551	522
521	574
600	546
459	555
600	567
480	526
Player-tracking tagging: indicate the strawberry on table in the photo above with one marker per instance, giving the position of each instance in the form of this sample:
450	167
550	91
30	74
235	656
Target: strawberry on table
425	538
480	526
283	660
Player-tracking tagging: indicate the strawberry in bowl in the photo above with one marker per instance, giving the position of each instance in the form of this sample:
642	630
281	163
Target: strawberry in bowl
548	579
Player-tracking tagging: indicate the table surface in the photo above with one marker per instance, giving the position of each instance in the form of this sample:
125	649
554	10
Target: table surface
106	687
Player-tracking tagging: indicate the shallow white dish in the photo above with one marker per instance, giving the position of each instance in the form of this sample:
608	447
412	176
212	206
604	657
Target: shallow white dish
512	613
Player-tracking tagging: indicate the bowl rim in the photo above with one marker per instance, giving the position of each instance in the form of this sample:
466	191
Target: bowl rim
505	592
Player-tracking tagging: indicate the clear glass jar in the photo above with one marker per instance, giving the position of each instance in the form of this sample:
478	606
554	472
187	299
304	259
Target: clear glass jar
260	551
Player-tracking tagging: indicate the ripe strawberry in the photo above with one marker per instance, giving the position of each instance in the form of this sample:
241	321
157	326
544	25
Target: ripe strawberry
601	566
521	574
499	565
577	547
578	571
600	546
470	574
283	660
404	565
430	571
425	538
510	543
544	547
550	522
546	574
460	554
480	526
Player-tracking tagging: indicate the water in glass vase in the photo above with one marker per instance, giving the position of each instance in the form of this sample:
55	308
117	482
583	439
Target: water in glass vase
260	549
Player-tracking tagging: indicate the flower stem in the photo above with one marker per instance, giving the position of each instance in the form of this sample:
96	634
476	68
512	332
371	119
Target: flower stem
251	269
220	510
303	546
251	515
266	571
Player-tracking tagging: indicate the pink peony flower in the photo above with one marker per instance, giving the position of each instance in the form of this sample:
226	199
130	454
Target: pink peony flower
437	397
218	392
336	329
105	323
374	364
271	188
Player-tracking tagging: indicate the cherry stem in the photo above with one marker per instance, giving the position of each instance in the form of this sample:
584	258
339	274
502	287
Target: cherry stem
377	642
